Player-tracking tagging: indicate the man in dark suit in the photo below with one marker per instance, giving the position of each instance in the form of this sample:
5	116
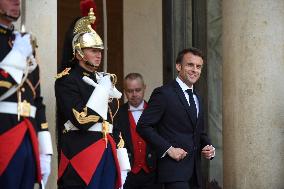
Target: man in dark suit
142	157
173	124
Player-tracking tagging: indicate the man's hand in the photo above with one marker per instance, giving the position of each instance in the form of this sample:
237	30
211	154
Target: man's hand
176	153
208	152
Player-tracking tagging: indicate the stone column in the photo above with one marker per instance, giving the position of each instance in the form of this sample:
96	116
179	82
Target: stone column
253	92
41	20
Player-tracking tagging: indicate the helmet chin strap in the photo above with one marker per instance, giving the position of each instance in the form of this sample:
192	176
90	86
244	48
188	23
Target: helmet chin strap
90	64
87	62
8	17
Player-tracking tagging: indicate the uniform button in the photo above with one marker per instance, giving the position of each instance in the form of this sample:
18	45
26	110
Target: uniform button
23	89
140	150
140	165
139	142
149	155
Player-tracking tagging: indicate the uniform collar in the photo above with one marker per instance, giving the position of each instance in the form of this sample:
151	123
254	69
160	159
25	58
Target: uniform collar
83	71
4	30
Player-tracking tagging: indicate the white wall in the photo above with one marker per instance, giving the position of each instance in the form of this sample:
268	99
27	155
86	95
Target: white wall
143	41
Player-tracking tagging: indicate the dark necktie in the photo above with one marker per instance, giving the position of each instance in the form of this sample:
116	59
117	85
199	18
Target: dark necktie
192	106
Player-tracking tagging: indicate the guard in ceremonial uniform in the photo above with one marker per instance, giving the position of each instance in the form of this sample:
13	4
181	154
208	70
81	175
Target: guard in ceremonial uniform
88	157
25	143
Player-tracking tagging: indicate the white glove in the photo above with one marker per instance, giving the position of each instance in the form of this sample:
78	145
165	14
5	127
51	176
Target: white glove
123	177
105	82
23	44
45	161
114	93
32	66
89	81
98	101
15	62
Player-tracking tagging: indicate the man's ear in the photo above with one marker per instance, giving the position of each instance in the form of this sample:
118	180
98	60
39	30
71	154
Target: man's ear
78	56
178	67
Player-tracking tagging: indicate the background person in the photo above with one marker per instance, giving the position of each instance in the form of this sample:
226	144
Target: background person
142	157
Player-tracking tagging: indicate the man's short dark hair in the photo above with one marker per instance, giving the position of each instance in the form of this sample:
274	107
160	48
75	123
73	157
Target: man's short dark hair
192	50
133	76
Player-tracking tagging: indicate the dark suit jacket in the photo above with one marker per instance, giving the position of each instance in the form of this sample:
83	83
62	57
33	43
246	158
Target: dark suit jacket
166	122
122	124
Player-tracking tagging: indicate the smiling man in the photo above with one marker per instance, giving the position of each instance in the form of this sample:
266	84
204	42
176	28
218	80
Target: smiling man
173	124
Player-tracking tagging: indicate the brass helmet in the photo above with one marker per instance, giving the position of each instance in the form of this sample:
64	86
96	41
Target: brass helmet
85	36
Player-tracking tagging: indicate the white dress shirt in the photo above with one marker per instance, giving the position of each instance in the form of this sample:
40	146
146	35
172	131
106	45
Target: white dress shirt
136	111
184	87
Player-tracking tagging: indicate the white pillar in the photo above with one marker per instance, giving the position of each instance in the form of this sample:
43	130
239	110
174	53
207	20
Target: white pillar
253	92
41	20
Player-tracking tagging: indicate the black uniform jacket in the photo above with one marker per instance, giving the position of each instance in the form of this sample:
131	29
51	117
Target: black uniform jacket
166	122
122	124
30	90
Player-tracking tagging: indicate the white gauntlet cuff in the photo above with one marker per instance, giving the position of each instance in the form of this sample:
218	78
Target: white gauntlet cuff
45	144
123	159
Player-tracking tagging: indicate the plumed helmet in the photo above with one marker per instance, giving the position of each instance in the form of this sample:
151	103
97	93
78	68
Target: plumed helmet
85	36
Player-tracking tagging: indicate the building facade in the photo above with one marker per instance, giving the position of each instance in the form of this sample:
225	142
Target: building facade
242	81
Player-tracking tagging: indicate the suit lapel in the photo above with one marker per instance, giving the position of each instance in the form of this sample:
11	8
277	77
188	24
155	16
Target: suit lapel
183	100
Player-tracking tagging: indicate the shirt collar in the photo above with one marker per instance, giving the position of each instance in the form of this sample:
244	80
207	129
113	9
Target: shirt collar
139	108
182	85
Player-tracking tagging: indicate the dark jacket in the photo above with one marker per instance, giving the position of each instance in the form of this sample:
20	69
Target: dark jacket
166	122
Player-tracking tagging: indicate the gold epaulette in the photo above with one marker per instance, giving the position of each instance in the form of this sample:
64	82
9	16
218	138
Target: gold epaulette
82	117
63	73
